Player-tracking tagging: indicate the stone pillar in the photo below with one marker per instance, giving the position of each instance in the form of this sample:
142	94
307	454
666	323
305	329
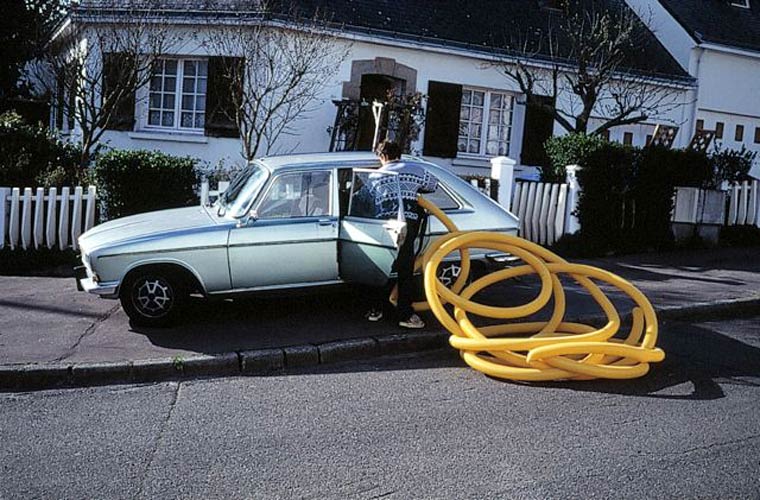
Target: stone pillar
573	225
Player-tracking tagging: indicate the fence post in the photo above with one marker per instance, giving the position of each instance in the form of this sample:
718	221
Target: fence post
89	213
573	193
503	172
13	226
51	217
39	218
204	192
4	195
26	219
76	218
63	224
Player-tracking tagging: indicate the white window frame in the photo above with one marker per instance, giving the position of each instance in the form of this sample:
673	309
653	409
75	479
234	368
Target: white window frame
178	92
485	125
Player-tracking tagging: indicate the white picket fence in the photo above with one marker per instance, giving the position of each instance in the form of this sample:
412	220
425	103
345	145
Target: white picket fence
542	209
744	204
36	219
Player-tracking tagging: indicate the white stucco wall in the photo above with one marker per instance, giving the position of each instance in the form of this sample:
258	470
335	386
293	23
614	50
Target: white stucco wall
431	64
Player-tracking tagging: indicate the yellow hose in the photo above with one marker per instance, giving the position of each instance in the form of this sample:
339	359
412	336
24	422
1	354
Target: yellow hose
535	350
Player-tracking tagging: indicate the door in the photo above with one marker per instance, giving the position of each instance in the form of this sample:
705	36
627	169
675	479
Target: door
292	237
366	249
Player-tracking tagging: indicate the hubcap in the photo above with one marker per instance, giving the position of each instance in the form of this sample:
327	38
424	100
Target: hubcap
153	296
449	274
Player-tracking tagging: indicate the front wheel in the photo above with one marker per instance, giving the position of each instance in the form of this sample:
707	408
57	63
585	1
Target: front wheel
152	298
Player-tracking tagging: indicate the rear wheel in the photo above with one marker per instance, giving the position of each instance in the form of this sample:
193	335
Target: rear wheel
153	297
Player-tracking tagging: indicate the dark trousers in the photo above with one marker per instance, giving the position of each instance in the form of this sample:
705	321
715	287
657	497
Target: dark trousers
404	267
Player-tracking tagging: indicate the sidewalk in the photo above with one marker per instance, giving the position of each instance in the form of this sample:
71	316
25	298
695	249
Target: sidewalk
50	333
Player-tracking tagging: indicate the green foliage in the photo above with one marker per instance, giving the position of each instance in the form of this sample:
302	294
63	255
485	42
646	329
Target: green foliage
30	156
131	182
730	165
571	149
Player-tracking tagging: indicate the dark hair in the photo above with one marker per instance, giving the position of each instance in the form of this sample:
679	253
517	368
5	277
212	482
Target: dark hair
389	149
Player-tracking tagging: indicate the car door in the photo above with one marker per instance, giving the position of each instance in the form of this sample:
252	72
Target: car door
291	239
366	250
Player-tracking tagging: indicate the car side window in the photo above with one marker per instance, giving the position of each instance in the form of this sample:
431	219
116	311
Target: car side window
297	194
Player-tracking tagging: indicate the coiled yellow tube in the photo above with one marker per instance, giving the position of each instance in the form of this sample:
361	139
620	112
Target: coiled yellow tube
538	350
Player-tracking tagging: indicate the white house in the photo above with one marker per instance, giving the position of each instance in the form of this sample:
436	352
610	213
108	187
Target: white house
718	43
442	48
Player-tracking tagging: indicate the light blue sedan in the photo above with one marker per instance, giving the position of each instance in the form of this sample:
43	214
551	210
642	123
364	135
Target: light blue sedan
285	223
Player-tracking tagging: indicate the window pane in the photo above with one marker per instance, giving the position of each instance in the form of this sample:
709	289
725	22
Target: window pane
154	118
477	115
496	101
493	117
187	102
492	148
168	101
167	120
202	86
474	146
475	130
465	113
155	83
466	97
188	85
442	199
170	84
462	145
477	98
200	103
187	120
189	68
202	68
200	120
155	100
170	67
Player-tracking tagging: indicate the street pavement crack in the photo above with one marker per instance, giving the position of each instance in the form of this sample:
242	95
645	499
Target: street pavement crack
87	332
159	438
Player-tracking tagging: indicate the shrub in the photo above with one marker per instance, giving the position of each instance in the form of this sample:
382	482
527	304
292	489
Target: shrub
571	149
605	179
730	165
131	182
30	156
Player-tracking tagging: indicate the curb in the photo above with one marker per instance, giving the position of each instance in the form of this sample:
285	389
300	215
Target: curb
25	377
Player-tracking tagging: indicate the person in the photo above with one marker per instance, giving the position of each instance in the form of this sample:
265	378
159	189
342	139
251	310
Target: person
413	178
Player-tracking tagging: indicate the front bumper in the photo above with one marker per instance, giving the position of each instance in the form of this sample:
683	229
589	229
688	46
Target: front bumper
107	290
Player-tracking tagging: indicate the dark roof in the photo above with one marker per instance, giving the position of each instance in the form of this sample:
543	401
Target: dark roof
477	25
717	21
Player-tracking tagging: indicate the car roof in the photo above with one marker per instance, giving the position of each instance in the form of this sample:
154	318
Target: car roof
318	160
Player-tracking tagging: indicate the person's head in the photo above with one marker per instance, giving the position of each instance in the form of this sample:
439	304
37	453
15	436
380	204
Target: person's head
388	151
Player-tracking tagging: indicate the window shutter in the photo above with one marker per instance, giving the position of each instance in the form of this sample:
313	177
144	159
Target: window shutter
442	119
539	126
220	102
114	67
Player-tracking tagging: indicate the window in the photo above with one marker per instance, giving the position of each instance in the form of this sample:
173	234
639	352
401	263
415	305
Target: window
178	94
739	134
700	125
485	123
442	199
719	130
300	194
757	135
628	138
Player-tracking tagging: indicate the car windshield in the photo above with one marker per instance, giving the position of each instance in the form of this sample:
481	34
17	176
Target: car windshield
243	188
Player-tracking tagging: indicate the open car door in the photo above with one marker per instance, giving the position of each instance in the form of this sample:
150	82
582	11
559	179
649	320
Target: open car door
366	246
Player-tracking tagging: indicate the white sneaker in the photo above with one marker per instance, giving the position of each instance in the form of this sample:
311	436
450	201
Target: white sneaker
414	322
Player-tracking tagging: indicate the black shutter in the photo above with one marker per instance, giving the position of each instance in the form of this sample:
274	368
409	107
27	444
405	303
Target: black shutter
539	126
115	69
220	95
442	119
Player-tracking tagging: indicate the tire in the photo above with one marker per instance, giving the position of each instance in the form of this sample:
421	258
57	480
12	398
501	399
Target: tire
153	297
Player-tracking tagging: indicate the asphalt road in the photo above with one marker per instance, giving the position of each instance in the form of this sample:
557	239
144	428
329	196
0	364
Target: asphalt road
409	427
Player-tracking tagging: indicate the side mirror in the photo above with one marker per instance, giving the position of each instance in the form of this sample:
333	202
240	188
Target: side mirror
248	219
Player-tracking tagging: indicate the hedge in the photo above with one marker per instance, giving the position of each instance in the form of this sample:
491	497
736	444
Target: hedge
131	182
30	156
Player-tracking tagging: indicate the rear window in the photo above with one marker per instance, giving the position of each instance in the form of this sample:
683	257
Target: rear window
442	198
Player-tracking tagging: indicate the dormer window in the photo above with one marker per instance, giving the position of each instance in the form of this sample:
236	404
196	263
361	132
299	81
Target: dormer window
744	4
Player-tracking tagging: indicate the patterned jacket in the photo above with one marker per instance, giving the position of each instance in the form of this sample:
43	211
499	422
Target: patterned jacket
413	178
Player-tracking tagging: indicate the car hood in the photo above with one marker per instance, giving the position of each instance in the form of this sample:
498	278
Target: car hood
137	227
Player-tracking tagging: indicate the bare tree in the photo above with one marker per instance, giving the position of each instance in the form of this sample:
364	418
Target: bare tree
280	66
94	66
584	51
